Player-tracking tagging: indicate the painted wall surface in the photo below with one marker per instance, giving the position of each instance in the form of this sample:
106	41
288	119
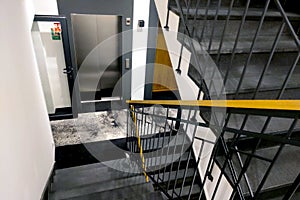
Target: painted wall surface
139	48
27	148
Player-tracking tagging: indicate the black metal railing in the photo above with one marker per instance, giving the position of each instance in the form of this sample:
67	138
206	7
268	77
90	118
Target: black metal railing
186	159
239	36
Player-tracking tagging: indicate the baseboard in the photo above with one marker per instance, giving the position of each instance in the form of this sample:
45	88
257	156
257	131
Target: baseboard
46	190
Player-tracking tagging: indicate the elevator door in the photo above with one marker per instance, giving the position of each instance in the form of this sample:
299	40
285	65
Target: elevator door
97	54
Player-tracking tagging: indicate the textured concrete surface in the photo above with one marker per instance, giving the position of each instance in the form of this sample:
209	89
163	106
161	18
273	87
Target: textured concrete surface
89	127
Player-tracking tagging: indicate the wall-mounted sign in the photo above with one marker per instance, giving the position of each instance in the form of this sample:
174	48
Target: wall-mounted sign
56	31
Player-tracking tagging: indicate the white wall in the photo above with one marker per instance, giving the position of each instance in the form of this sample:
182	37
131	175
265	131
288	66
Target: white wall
27	148
139	47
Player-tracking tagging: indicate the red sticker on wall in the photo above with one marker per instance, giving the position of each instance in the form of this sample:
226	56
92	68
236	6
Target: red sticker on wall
56	31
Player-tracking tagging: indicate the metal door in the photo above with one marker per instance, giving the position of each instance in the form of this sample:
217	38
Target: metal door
52	48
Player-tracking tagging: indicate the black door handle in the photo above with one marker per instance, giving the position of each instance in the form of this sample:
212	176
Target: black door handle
67	71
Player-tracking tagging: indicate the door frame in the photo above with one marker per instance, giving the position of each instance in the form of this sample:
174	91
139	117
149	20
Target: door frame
68	112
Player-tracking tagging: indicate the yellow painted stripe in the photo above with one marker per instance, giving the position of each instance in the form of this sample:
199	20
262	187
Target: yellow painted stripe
139	143
251	104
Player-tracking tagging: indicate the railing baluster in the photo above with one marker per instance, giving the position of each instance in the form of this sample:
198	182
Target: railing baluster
212	157
269	60
163	142
163	175
168	15
213	28
224	31
287	21
293	189
236	41
274	159
182	149
288	77
205	21
194	19
166	160
252	48
188	161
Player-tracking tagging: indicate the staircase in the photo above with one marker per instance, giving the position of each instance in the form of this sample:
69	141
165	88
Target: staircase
255	47
256	164
108	179
255	152
97	181
255	51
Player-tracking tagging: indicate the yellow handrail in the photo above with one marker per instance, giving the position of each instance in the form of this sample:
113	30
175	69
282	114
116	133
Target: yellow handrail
249	104
139	143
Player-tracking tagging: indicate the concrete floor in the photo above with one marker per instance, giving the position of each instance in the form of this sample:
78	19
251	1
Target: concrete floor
89	127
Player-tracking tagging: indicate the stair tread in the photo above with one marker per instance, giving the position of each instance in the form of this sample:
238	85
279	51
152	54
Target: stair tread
186	189
140	191
283	172
151	196
278	70
98	187
263	44
236	12
87	177
180	174
75	170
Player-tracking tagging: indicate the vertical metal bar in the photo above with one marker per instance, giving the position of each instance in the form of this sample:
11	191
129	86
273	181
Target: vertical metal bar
248	160
188	162
195	17
168	15
127	133
214	24
224	31
172	159
193	50
270	59
163	141
142	128
182	148
178	118
292	189
212	156
274	159
290	73
205	21
252	48
178	70
222	39
287	21
246	177
220	176
166	160
196	170
231	167
153	128
236	41
229	154
148	140
195	111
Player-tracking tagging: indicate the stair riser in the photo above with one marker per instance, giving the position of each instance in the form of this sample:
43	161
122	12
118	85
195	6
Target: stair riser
273	79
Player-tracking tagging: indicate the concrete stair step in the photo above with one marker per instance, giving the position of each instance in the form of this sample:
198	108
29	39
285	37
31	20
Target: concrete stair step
141	191
283	172
89	189
236	13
